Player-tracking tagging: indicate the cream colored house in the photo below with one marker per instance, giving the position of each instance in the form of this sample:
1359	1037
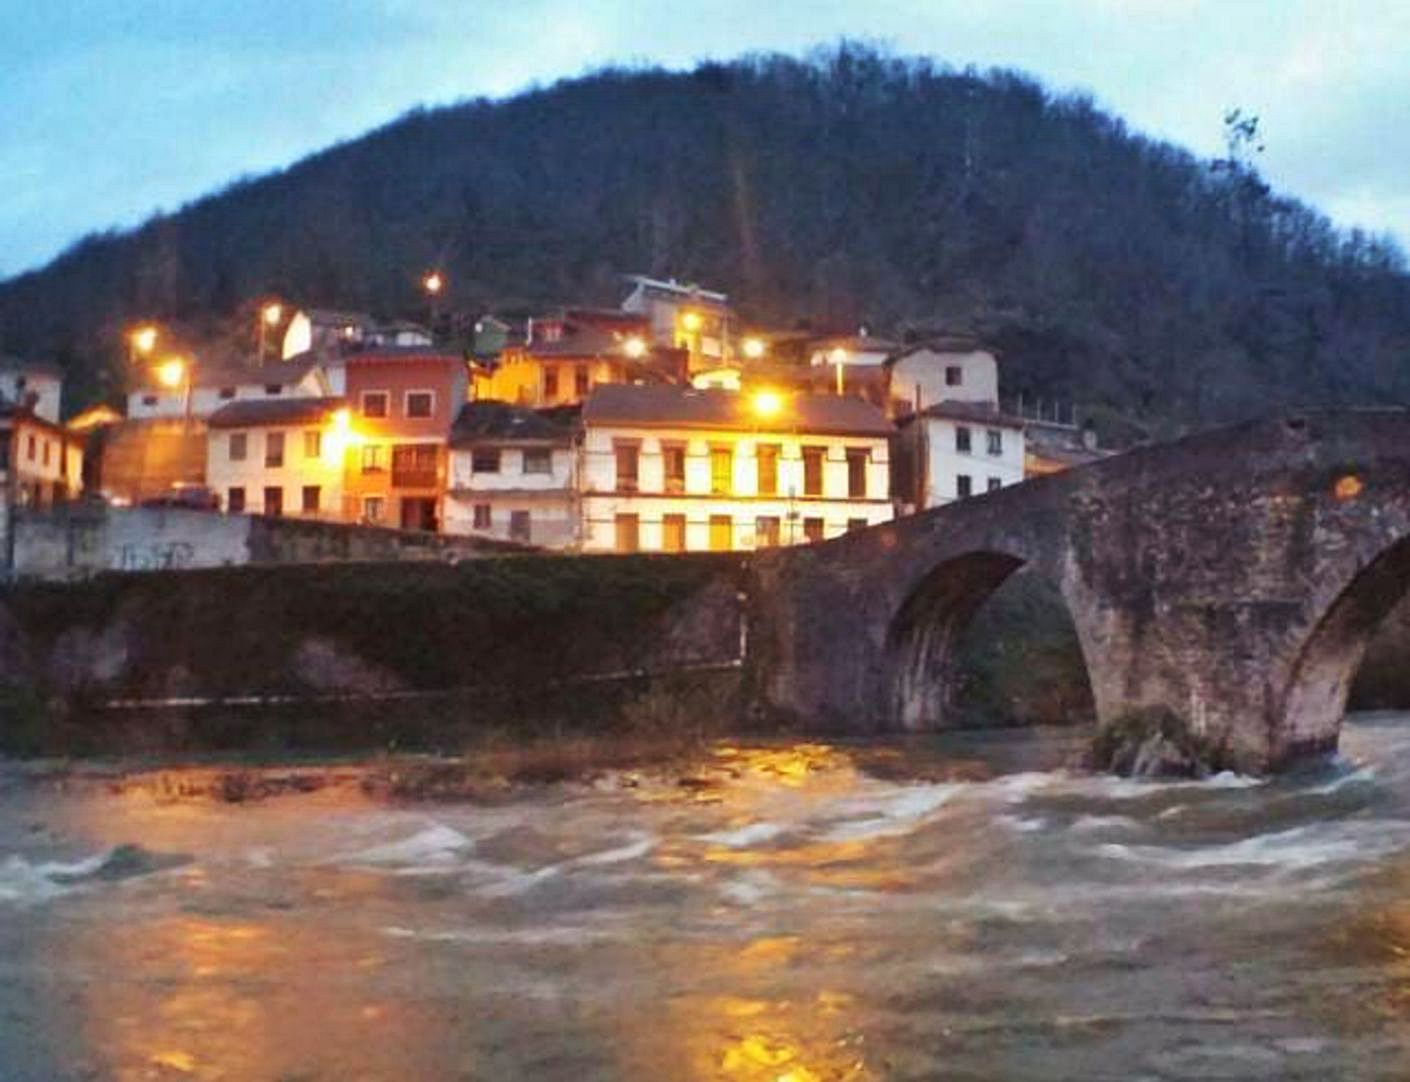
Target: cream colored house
943	370
673	469
954	450
279	457
214	386
513	474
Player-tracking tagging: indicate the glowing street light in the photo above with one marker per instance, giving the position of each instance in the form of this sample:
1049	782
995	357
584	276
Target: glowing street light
754	348
690	321
433	282
171	372
766	404
634	347
141	340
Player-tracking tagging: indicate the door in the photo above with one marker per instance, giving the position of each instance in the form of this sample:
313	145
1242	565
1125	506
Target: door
418	513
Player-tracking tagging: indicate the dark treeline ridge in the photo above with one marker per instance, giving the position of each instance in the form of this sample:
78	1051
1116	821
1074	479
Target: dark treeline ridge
1112	270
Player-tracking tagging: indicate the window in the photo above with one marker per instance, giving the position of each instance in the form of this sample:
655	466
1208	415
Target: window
235	500
962	440
483	516
414	465
582	383
721	471
519	527
484	460
964	485
995	484
550	383
313	444
855	524
372	460
857	472
227	393
45	449
767	457
672	533
311	496
813	470
273	450
374	403
628	533
721	533
239	446
30	448
420	403
372	509
995	441
274	501
673	466
538	460
954	375
149	400
628	462
273	388
766	531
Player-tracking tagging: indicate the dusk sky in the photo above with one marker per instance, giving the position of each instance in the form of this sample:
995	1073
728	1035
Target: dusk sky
113	109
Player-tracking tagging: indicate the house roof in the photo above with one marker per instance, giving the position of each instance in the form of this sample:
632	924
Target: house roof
854	343
10	363
332	317
679	289
685	407
272	412
577	341
401	353
977	412
503	422
948	343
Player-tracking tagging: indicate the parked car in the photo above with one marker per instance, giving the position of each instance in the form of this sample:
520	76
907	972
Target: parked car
187	496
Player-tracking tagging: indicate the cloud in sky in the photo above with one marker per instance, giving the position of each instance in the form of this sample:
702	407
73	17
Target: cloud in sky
115	108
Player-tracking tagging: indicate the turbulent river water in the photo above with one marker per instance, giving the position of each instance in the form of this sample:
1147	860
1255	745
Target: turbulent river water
959	908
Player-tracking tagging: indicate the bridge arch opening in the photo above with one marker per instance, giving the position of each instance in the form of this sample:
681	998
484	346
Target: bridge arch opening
1327	664
985	640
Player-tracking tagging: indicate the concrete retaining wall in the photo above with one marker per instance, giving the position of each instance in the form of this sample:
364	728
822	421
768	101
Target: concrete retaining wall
77	541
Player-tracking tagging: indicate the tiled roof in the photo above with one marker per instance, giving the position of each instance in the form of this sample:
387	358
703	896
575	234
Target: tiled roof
679	289
401	353
256	412
948	343
683	407
978	412
502	422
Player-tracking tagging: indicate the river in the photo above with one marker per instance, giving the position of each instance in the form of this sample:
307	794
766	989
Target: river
954	908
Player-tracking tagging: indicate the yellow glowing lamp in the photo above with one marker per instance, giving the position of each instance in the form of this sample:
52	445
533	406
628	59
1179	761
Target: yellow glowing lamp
340	435
767	403
144	338
690	321
838	356
171	372
434	282
754	348
634	347
272	314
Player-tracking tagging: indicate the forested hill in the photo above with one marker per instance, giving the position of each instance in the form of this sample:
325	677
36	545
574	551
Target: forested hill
1111	269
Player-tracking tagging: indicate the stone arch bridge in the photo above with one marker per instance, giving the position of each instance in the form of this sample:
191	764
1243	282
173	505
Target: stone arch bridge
1231	580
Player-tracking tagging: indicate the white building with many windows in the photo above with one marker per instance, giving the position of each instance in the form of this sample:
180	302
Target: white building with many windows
675	469
279	457
956	449
513	473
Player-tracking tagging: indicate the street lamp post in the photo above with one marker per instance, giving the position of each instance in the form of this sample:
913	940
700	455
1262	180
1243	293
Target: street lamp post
434	283
839	358
269	317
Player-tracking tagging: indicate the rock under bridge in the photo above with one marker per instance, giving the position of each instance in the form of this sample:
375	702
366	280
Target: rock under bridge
1229	581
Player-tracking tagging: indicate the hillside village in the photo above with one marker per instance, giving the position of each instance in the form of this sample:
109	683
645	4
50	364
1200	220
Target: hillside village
664	425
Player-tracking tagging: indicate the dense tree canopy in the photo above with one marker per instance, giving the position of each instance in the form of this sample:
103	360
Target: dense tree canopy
1112	270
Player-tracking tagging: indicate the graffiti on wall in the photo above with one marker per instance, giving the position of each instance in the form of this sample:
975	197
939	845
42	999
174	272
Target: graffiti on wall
153	556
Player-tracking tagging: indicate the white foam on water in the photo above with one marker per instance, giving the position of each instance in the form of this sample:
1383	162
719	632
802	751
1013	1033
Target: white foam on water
631	851
1089	824
24	882
750	887
898	813
436	845
1297	848
1351	777
528	937
1021	824
745	836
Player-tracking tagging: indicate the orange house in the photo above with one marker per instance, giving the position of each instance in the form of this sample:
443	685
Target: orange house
403	402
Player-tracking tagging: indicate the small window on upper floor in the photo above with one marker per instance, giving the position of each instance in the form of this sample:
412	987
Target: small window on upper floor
484	460
962	443
420	403
374	403
274	388
227	392
954	375
538	460
149	400
995	441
